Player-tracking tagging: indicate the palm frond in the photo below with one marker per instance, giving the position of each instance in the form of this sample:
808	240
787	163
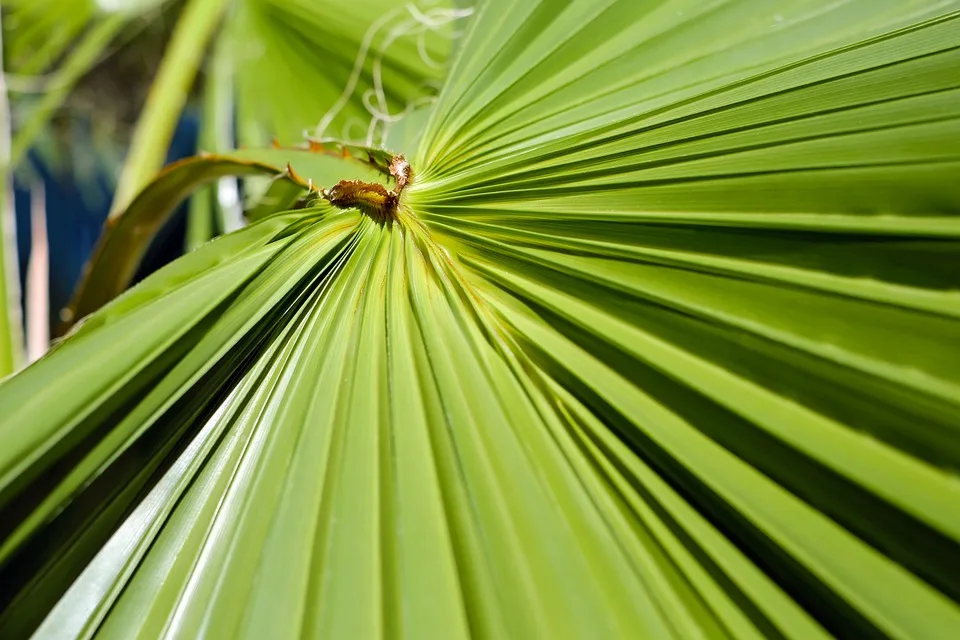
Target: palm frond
660	342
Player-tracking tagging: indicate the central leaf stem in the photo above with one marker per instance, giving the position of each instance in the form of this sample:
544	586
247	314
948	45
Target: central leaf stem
372	198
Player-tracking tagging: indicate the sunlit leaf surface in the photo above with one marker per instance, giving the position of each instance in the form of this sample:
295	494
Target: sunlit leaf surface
662	342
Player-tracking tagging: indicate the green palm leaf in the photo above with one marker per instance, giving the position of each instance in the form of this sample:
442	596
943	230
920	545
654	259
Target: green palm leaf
660	342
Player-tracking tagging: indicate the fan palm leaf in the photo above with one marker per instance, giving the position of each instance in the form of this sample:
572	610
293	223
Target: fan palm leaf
661	340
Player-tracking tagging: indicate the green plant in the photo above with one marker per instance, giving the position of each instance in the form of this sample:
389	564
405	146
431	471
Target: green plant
661	340
273	68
